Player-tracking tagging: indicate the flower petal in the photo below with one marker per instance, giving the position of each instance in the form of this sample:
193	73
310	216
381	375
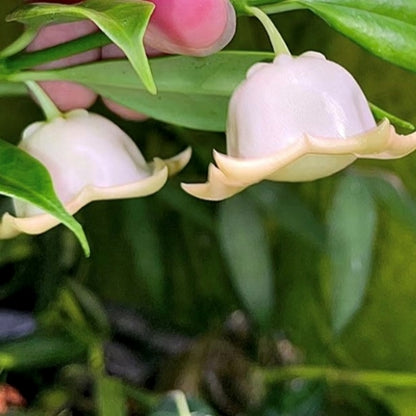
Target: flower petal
175	163
309	158
217	188
11	226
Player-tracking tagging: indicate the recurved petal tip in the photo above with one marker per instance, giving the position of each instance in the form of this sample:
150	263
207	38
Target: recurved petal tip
176	163
217	188
11	226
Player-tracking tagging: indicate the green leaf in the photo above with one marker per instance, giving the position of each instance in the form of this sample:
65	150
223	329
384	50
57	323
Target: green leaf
39	351
123	21
28	35
244	242
192	92
385	28
23	177
402	401
93	310
281	203
388	189
190	208
12	88
352	224
110	396
141	232
381	114
12	251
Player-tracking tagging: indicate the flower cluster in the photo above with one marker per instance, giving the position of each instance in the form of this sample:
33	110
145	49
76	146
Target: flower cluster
297	119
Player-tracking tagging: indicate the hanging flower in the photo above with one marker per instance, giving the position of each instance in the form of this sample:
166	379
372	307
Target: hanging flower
89	158
297	119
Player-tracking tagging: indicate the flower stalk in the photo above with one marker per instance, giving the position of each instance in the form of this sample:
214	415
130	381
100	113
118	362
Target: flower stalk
374	378
278	44
50	110
18	62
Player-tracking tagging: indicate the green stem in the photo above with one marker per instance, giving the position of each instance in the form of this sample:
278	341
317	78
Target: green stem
278	44
181	403
145	398
28	60
48	106
21	42
375	378
286	6
96	359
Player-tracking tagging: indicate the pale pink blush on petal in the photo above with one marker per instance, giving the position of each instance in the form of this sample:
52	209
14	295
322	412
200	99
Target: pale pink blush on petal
66	95
112	52
124	112
193	27
69	96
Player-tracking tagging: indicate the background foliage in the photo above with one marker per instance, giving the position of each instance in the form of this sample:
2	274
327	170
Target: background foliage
220	299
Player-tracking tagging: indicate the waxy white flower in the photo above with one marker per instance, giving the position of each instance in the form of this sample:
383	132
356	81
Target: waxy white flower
297	119
89	158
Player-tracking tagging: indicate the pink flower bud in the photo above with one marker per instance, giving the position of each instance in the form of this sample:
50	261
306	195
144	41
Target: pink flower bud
191	27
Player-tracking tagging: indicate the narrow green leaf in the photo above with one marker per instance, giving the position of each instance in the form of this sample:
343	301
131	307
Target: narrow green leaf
402	401
385	28
12	251
191	208
142	234
94	311
352	225
282	204
28	34
388	190
110	396
244	242
192	92
8	89
39	351
380	114
23	177
123	21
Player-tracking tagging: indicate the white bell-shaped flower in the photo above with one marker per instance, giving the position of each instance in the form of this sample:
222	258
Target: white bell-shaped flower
89	158
297	119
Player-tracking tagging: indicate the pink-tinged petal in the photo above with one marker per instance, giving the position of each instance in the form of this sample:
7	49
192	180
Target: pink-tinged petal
124	112
191	27
114	52
67	96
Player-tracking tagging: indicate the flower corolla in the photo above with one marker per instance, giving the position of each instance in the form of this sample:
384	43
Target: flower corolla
297	119
89	158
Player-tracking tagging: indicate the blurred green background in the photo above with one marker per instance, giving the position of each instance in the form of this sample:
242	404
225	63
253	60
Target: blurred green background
252	281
